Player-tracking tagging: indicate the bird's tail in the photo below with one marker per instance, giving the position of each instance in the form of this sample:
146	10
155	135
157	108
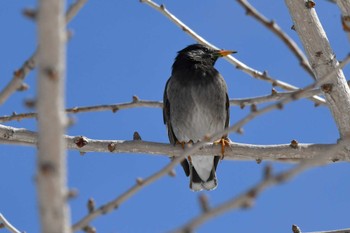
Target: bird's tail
198	184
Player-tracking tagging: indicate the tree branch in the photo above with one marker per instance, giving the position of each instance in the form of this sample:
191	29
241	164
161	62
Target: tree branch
273	26
20	74
238	64
237	151
323	61
51	162
333	231
135	103
7	225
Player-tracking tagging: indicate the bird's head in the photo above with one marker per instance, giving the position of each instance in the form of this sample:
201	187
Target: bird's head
198	54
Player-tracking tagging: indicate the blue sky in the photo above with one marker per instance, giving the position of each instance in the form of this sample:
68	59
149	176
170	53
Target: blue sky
125	48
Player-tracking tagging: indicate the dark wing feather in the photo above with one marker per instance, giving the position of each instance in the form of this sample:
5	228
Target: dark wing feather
227	122
167	121
166	116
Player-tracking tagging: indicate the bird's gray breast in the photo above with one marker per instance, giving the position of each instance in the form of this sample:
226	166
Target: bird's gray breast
197	107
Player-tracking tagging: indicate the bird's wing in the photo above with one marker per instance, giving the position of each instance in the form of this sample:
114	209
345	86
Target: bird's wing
227	122
166	115
167	121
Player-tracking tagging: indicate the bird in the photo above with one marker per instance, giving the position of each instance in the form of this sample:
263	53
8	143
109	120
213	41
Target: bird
196	105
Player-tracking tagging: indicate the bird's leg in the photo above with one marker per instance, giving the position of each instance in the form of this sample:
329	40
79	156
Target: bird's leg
183	147
224	141
182	144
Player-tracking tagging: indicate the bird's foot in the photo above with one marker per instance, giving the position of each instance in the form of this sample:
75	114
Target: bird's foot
182	144
224	142
183	147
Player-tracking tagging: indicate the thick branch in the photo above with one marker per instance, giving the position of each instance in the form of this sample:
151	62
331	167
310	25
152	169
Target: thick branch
237	151
323	61
51	165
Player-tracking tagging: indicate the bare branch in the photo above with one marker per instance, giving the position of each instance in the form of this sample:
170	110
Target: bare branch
323	61
274	96
332	231
96	108
273	26
238	64
51	162
30	63
237	151
296	229
7	225
74	9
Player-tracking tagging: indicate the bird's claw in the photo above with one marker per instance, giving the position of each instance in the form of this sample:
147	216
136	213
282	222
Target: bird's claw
182	144
224	142
183	147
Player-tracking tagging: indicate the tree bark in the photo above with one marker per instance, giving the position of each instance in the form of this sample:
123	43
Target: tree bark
322	60
51	168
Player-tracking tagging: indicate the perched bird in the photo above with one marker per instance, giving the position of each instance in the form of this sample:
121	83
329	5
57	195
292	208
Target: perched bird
196	105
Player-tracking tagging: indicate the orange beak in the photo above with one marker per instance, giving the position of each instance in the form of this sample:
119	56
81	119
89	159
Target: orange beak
223	53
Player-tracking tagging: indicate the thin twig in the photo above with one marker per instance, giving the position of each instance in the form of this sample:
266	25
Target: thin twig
238	64
156	104
274	27
274	96
74	9
332	231
20	74
7	225
97	108
296	229
242	102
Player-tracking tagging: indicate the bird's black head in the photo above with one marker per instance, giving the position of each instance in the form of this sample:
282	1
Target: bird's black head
198	56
